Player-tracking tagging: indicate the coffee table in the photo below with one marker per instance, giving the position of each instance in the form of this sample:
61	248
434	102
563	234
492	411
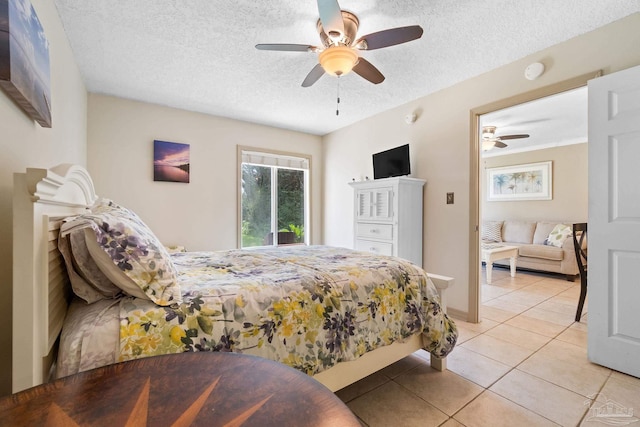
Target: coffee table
202	388
493	252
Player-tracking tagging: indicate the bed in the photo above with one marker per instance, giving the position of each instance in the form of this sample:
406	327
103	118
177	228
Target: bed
333	313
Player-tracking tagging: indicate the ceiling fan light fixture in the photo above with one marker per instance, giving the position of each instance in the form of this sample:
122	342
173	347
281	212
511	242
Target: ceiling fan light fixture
488	144
338	60
488	132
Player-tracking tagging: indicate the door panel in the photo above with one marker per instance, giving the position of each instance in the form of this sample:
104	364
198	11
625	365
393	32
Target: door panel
614	221
624	155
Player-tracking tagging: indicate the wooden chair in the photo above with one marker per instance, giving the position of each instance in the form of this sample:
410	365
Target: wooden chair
580	248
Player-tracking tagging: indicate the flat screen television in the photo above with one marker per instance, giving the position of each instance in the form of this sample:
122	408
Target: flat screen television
393	162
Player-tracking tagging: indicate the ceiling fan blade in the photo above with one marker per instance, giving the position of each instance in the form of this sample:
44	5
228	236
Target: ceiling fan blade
390	37
331	18
284	47
499	144
313	76
506	137
366	70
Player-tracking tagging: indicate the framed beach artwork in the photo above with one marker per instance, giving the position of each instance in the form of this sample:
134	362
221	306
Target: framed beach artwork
24	59
170	161
532	181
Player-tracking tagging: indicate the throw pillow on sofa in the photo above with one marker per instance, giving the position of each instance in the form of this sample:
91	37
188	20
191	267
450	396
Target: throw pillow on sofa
558	235
492	231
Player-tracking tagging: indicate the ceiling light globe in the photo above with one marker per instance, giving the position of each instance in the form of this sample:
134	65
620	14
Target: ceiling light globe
488	144
338	60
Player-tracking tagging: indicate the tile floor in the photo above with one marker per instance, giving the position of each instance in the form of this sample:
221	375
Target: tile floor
525	364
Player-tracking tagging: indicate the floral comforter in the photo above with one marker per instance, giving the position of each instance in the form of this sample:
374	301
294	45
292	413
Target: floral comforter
306	306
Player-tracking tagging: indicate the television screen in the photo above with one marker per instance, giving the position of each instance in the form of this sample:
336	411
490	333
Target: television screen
393	162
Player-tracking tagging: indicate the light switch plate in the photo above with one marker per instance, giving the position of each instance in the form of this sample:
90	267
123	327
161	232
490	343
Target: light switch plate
449	198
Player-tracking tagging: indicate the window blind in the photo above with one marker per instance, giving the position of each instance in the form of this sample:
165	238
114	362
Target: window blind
270	159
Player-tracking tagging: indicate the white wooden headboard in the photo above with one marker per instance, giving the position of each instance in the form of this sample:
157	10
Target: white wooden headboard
41	198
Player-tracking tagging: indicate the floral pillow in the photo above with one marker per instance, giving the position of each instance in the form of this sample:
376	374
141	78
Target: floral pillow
129	254
558	235
104	205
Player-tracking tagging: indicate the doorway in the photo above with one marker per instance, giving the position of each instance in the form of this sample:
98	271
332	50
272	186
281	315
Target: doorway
476	174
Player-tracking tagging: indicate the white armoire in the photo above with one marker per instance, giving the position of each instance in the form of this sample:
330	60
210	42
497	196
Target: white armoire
388	217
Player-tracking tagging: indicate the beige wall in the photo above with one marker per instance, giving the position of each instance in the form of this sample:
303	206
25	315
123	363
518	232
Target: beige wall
201	215
570	190
440	144
23	143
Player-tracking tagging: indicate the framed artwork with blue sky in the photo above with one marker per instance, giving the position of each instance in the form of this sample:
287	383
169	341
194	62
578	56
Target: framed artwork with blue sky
24	59
532	181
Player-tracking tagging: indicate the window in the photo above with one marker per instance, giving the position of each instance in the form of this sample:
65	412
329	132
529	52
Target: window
274	198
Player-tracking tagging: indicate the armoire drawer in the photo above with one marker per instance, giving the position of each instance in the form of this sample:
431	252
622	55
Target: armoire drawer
381	248
374	231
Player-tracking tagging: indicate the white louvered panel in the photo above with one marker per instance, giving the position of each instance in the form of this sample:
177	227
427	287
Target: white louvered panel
58	290
57	307
56	271
55	224
59	293
55	260
52	245
382	204
364	204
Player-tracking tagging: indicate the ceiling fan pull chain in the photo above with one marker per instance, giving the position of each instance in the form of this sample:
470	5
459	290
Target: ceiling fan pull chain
338	99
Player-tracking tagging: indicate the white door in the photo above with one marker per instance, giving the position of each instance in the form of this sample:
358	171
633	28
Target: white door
614	221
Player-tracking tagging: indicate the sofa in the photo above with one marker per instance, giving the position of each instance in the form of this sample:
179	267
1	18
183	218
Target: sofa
535	248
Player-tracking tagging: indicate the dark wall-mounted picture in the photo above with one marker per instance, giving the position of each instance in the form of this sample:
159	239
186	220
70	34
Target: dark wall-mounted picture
24	59
170	161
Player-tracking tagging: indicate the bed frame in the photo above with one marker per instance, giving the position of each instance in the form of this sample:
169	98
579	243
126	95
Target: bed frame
41	288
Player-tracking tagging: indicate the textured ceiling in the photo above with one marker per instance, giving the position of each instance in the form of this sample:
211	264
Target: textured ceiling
199	55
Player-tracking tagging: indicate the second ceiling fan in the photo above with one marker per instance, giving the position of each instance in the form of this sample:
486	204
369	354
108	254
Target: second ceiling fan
490	140
339	53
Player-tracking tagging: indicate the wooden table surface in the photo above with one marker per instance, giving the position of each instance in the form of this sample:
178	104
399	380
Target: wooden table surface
203	388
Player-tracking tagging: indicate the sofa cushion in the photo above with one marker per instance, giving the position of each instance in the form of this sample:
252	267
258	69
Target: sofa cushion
518	231
541	251
542	232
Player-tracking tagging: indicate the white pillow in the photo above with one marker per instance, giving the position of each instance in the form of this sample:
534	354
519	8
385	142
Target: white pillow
78	283
492	231
558	235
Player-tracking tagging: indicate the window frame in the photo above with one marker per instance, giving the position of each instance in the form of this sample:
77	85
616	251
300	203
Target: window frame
241	149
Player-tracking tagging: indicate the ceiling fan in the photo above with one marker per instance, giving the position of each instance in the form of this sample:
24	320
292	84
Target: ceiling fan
490	140
339	53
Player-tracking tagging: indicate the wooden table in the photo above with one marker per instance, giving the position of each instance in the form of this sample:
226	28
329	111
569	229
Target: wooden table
203	388
494	252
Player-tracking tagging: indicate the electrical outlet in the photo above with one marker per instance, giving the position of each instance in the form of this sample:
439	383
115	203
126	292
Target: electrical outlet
449	198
